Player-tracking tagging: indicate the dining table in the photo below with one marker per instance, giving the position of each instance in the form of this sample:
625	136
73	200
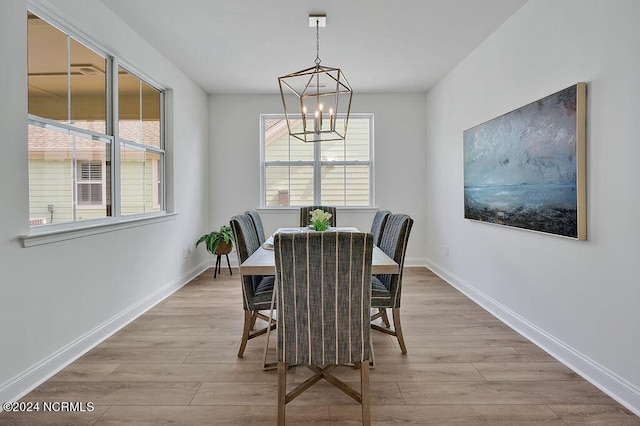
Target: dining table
262	261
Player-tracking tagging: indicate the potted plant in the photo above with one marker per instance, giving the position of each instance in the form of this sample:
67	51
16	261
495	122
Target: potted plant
218	242
320	219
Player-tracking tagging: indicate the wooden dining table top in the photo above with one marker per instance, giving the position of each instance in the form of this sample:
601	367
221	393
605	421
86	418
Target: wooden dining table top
262	261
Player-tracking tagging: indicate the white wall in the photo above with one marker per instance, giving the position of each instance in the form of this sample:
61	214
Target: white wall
578	299
399	161
59	299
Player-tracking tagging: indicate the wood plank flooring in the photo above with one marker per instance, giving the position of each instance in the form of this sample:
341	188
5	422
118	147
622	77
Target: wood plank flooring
177	364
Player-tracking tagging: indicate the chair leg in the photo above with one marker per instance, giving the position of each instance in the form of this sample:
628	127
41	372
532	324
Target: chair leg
282	392
372	361
254	317
270	326
245	332
385	318
364	393
398	327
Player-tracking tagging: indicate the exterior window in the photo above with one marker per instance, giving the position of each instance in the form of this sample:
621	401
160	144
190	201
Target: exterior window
56	158
337	173
157	183
89	183
75	136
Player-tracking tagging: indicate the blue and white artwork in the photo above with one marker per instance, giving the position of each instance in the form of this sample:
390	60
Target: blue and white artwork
521	169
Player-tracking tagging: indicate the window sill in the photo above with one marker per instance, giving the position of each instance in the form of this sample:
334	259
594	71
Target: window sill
46	235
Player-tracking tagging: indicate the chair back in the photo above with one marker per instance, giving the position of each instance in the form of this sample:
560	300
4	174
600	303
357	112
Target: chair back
305	218
393	242
257	223
379	220
244	233
323	282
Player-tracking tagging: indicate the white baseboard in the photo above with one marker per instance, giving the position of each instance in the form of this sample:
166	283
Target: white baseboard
608	382
414	261
23	383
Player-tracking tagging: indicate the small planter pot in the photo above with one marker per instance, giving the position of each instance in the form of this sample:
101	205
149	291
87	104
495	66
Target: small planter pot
223	248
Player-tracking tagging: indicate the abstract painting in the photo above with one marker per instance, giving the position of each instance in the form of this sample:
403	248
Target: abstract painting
526	168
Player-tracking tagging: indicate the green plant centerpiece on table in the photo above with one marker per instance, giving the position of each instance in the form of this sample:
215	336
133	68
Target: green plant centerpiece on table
320	219
218	242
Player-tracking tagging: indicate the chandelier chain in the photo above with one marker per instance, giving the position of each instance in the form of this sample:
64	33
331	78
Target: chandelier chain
317	61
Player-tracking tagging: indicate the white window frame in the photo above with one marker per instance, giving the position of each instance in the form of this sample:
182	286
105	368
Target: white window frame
116	64
75	229
317	164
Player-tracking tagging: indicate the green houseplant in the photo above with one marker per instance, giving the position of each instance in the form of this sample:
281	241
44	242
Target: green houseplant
320	219
218	242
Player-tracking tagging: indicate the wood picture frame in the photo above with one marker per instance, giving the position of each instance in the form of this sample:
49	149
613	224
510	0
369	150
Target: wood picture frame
527	168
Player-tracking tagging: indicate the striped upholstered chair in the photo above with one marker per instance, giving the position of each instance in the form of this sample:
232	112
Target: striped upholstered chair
257	290
257	223
305	217
379	220
386	289
323	292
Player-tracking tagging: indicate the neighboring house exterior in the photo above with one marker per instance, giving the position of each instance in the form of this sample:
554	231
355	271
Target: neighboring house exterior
69	177
345	170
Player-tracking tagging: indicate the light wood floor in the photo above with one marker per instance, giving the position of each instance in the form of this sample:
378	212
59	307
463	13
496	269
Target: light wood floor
177	364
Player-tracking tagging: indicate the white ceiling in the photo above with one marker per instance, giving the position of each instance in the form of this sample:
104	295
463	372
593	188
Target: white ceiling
242	46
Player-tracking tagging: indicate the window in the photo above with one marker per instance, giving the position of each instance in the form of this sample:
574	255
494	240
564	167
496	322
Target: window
57	153
89	183
140	144
96	141
338	173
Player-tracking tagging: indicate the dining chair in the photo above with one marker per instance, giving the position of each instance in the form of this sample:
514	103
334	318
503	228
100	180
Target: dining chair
386	289
257	223
323	292
257	290
379	220
305	218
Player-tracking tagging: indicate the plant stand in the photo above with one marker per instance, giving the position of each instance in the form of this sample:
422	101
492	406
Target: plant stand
216	269
223	249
